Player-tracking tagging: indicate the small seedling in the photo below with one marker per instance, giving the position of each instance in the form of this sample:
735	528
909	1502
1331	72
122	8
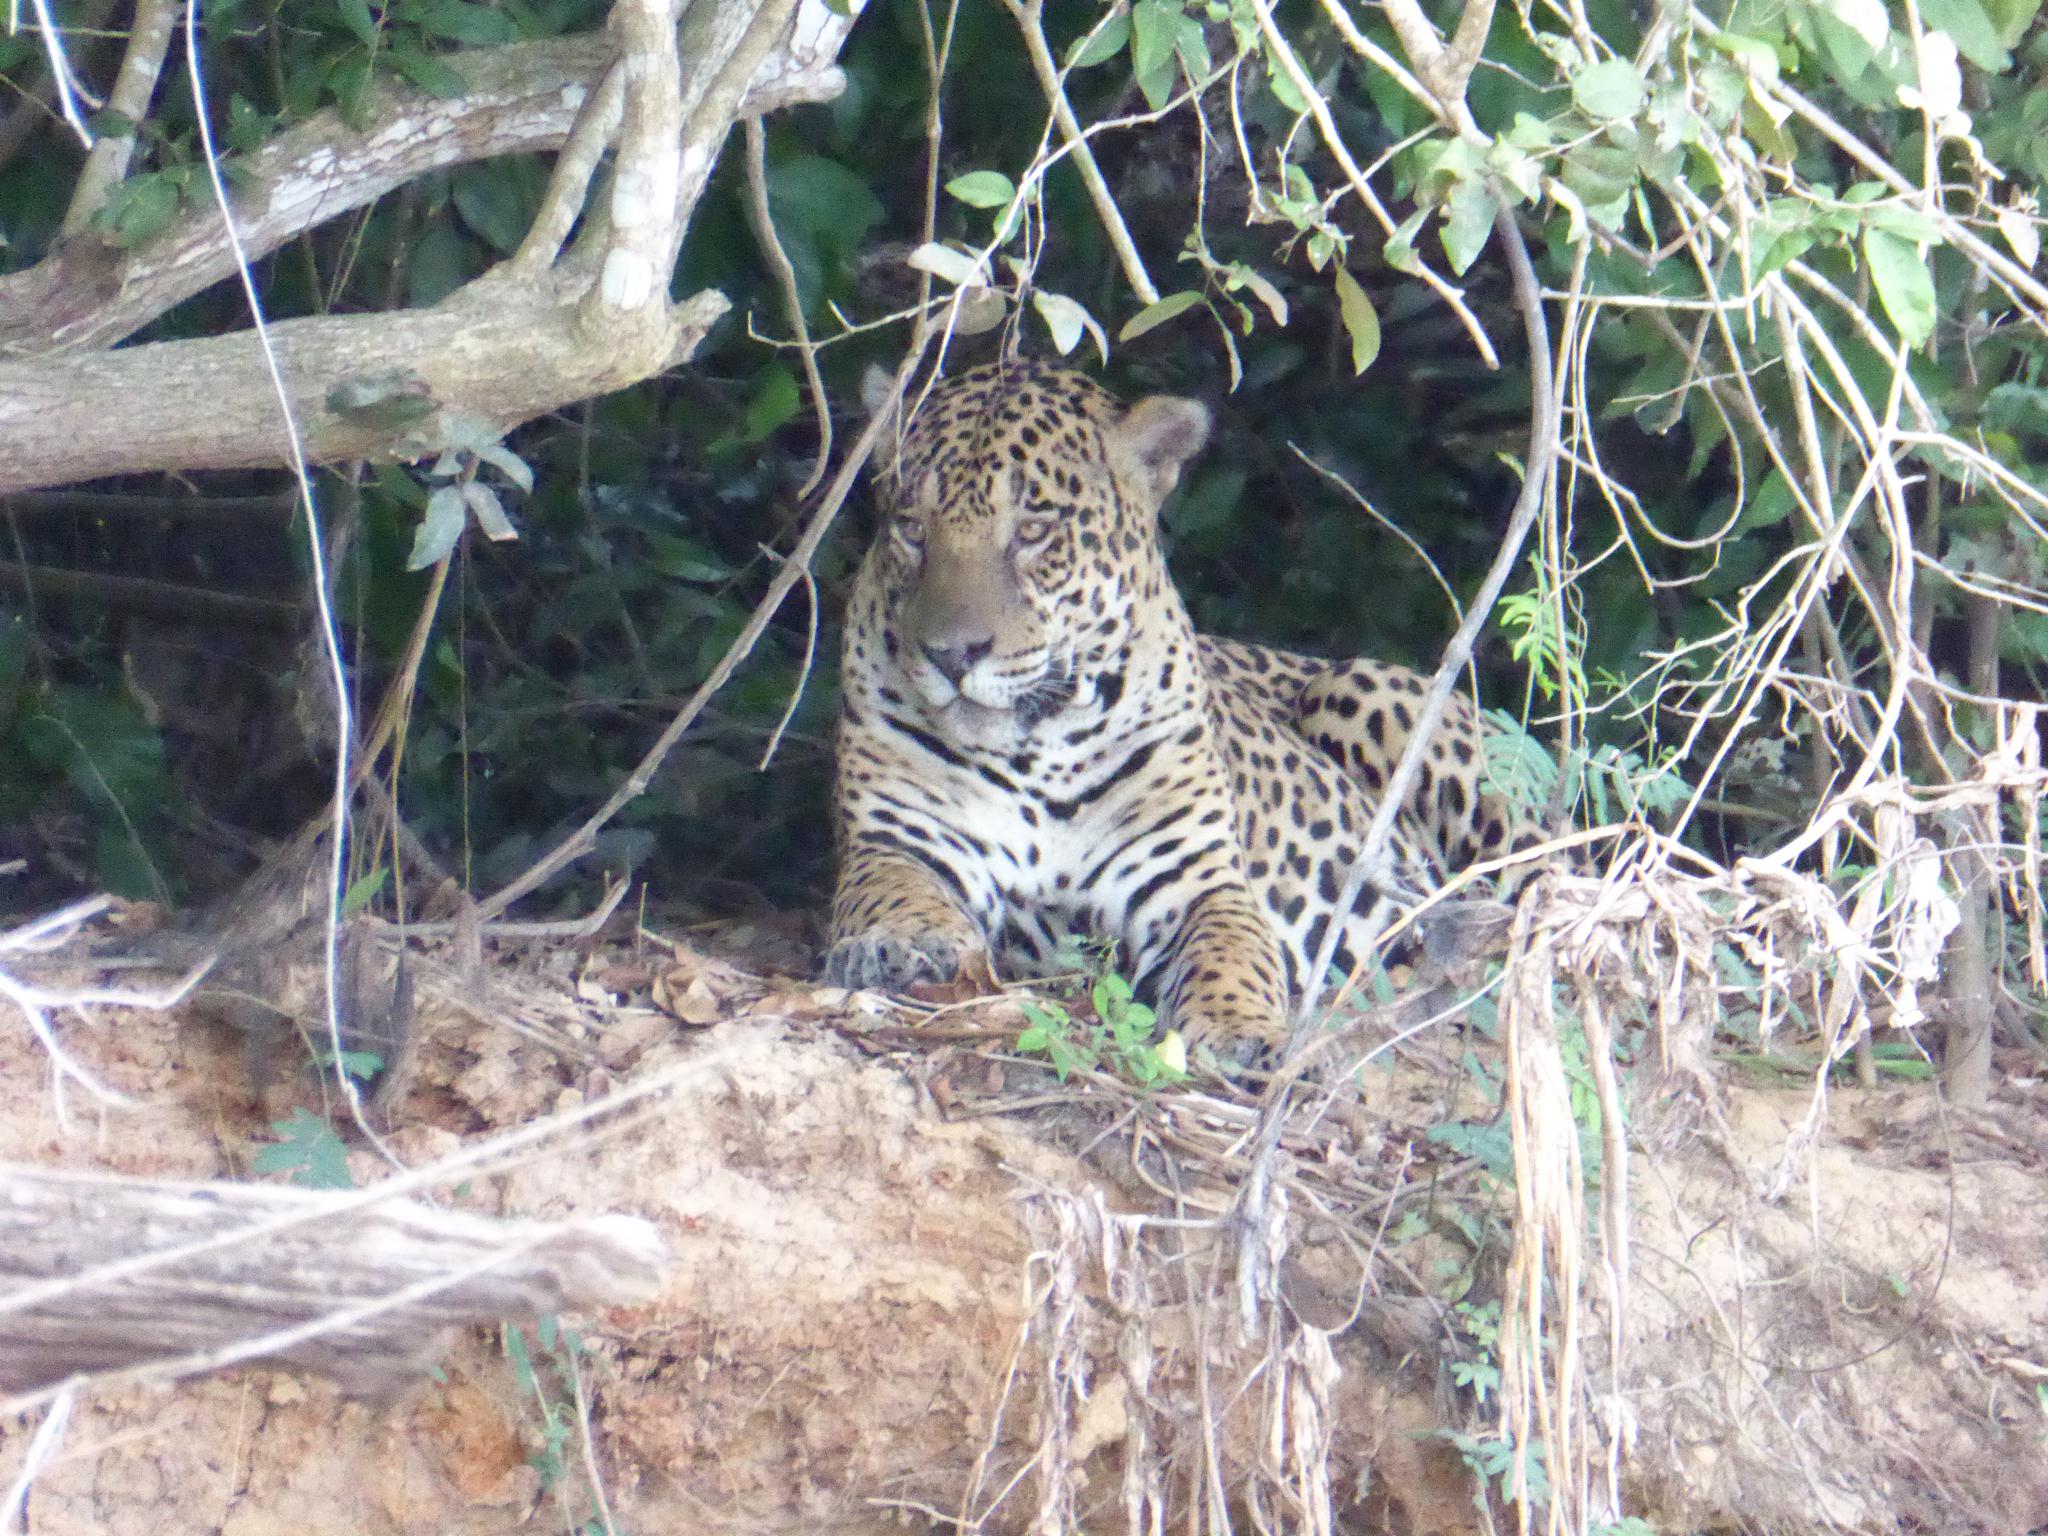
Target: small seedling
308	1151
1119	1037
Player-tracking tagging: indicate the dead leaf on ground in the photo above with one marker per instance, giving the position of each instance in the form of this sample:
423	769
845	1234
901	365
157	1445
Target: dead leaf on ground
628	1033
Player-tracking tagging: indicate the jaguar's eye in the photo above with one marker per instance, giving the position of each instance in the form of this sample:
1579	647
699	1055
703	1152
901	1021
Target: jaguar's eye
1034	530
910	531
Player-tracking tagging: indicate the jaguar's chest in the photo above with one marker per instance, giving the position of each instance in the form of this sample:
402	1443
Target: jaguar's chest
1048	815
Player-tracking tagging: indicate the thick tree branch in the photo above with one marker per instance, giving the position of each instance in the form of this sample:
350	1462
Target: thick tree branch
523	97
634	288
506	354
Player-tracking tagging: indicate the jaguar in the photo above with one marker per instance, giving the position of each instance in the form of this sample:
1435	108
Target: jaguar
1036	742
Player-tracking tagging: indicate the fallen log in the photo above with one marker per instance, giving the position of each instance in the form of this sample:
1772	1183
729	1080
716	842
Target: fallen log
104	1274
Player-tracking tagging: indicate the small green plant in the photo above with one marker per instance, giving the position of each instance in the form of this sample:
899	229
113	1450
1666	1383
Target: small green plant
363	1066
1554	651
308	1151
546	1371
1493	1458
1119	1037
1481	1322
1606	783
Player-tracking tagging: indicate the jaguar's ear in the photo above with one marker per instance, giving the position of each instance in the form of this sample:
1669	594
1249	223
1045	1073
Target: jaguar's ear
879	397
1156	437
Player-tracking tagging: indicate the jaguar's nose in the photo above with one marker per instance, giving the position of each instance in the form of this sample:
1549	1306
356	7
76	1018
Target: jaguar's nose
956	661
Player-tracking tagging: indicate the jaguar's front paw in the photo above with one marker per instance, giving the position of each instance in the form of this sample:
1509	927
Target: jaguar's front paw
890	961
1236	1041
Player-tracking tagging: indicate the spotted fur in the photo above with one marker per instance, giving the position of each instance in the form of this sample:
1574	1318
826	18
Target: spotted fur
1036	741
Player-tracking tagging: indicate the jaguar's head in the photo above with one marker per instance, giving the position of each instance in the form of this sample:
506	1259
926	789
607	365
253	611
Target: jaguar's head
1020	539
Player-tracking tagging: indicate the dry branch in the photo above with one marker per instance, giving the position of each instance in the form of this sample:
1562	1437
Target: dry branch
357	1294
208	404
142	594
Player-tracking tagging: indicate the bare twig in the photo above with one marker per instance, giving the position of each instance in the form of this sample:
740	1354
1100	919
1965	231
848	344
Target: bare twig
1444	67
792	300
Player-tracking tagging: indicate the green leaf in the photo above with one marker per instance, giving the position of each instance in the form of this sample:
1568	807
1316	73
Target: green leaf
435	76
460	21
1600	174
497	200
1767	133
1468	220
685	559
1262	288
138	210
775	404
1608	90
1158	313
1284	90
1155	34
355	15
308	1150
360	1065
2017	407
489	512
983	189
364	891
2013	17
247	127
1067	319
1905	282
508	464
1110	994
1192	47
348	82
1770	504
1972	30
1847	51
440	527
945	263
1101	45
1752	53
1361	323
1782	251
824	213
1400	247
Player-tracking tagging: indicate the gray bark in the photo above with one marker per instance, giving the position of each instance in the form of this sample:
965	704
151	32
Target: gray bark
257	1267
